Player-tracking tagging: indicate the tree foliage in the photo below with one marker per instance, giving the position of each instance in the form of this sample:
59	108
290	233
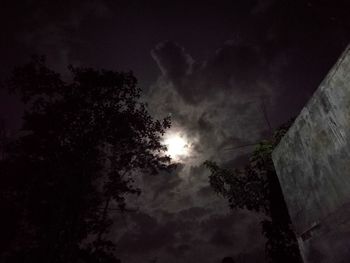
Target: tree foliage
256	188
80	147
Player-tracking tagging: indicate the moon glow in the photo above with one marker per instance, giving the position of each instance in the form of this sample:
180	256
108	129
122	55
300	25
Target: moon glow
177	146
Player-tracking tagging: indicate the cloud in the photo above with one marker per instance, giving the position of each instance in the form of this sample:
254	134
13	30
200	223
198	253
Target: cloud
148	235
220	103
235	68
185	235
172	60
216	104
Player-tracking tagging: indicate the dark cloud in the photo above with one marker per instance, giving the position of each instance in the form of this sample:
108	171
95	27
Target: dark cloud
193	212
205	191
219	102
172	60
223	230
216	102
165	183
147	235
236	67
181	249
221	238
184	235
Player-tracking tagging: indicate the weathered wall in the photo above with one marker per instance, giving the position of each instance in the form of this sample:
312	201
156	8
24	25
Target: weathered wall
313	166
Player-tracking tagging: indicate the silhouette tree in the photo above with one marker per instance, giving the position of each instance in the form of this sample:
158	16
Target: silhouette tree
256	188
81	145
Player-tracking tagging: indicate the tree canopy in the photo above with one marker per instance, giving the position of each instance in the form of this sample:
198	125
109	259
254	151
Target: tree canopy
81	145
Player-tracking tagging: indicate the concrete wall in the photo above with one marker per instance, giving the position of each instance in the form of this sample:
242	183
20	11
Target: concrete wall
313	166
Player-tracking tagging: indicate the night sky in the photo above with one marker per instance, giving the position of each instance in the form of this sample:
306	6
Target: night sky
213	66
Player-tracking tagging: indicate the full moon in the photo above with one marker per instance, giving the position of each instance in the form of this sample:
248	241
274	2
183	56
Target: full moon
177	146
